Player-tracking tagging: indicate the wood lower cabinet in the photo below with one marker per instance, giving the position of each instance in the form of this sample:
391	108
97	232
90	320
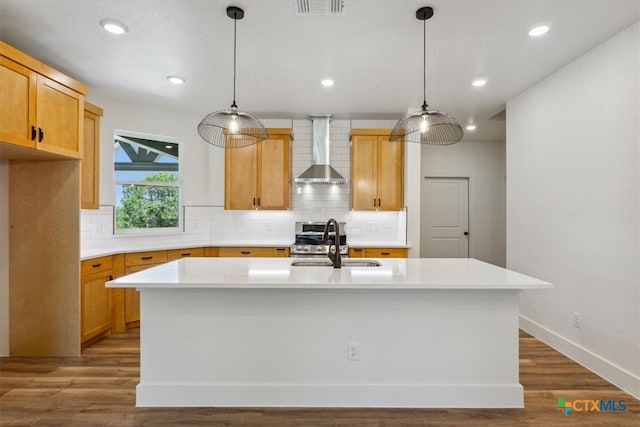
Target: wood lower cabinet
282	252
95	307
40	108
258	176
174	254
376	171
378	252
133	262
90	164
227	251
112	310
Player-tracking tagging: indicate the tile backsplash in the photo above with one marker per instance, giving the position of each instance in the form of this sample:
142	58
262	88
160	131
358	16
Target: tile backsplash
212	225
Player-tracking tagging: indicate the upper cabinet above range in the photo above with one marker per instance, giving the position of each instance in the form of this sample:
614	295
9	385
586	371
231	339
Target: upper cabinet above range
376	171
41	109
258	176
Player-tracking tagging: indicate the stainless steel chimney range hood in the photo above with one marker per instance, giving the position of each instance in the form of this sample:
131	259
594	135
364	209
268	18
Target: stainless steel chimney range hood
320	171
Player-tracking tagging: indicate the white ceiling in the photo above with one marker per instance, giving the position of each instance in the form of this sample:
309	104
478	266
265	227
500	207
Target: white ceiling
373	52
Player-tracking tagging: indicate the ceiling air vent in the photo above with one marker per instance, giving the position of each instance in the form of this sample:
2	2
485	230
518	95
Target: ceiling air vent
319	7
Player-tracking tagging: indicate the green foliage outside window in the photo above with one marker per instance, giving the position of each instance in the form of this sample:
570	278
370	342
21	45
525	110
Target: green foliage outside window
149	206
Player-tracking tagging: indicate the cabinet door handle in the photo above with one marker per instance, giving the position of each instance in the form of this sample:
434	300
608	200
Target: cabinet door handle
33	133
186	254
375	201
379	203
385	253
357	249
40	134
146	257
96	265
110	277
258	201
245	252
280	249
254	201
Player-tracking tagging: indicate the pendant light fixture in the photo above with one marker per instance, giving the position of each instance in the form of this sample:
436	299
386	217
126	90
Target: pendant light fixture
427	126
232	128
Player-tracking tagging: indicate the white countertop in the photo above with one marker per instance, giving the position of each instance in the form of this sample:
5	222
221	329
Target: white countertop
277	273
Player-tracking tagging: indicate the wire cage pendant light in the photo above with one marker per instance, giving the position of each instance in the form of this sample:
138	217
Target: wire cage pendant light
232	128
427	126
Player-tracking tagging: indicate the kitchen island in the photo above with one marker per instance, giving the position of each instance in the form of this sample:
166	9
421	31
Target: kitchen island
257	332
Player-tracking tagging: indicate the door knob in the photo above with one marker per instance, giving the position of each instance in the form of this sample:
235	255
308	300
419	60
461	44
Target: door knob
466	233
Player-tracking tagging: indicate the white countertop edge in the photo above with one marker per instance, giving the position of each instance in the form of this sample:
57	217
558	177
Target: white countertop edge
92	253
312	286
277	273
99	252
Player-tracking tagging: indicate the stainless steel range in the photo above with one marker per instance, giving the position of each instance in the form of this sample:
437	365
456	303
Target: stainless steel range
309	241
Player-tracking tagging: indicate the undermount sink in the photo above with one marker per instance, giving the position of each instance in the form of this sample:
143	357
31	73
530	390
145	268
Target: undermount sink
327	263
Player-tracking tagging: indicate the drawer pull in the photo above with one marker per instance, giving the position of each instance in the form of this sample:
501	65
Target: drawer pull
245	252
146	257
385	253
280	249
96	265
357	249
186	254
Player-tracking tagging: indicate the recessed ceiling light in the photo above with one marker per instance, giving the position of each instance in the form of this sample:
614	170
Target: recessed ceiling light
113	26
327	83
479	82
538	30
471	127
176	80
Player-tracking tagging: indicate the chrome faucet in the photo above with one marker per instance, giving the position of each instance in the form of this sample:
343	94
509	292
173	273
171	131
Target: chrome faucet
335	258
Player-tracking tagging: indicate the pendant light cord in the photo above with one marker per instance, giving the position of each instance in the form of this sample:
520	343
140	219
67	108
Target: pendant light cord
235	21
424	65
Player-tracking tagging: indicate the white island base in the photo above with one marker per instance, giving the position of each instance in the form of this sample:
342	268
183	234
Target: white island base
323	338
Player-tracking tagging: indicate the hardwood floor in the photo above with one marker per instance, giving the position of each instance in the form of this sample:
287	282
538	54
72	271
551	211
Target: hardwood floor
99	389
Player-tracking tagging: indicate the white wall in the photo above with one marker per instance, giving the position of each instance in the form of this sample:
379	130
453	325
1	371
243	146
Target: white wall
194	153
4	258
573	205
484	164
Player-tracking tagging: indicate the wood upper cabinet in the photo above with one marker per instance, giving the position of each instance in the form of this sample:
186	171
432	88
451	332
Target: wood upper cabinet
258	176
59	112
90	165
376	171
17	103
40	108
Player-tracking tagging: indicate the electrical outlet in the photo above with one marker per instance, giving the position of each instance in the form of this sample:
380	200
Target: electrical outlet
577	320
352	351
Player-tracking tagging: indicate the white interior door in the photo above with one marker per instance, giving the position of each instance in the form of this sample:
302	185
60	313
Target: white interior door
445	218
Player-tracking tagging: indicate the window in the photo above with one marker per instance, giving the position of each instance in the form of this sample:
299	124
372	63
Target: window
147	183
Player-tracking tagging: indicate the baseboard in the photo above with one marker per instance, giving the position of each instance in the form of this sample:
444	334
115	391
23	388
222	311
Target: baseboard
621	378
331	395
